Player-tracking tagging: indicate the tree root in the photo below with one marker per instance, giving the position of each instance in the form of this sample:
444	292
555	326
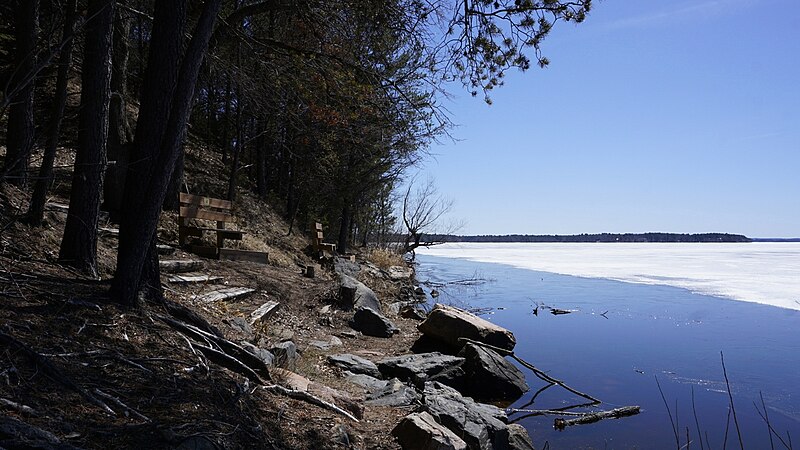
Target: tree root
305	396
52	371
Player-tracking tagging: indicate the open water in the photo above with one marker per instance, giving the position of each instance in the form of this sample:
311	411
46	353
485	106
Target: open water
641	313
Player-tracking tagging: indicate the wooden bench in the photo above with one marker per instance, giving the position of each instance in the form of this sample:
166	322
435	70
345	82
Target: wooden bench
317	237
195	207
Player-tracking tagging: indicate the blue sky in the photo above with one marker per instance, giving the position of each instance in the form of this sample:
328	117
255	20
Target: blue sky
658	115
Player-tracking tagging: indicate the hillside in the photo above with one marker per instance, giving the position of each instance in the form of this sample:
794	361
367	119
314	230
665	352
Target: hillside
63	340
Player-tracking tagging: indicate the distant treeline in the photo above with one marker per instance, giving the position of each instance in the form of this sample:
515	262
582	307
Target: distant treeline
603	237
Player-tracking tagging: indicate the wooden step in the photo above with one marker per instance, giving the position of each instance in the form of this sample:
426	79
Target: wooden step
231	293
164	249
180	265
263	312
193	278
232	254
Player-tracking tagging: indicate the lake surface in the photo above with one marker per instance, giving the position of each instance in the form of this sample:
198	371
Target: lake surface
623	335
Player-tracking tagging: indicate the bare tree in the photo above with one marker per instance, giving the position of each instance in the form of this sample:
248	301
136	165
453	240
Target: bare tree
423	208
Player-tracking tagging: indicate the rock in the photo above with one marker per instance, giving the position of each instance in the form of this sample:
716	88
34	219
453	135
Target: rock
413	312
394	393
281	334
372	323
446	324
345	267
490	376
370	384
350	334
419	431
398	273
373	270
332	341
343	435
263	355
197	442
354	364
418	368
354	294
480	426
285	354
241	325
518	438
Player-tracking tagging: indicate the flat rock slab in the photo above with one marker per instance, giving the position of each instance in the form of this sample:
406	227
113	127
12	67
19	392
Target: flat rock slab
189	278
418	368
419	431
354	364
394	393
447	324
231	293
328	344
179	265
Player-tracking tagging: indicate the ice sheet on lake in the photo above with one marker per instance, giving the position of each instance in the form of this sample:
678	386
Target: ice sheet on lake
766	273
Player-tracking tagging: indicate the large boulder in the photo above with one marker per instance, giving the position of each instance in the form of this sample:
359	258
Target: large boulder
489	376
394	393
480	426
372	323
354	294
447	324
354	364
419	431
418	368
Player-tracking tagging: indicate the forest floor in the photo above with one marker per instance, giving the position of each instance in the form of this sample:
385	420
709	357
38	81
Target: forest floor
64	345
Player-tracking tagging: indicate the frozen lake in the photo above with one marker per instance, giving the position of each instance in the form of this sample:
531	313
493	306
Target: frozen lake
643	312
767	272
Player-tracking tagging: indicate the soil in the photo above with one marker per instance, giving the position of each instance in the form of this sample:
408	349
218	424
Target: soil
63	343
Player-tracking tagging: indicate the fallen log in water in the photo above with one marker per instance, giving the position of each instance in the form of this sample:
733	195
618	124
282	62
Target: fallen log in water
597	416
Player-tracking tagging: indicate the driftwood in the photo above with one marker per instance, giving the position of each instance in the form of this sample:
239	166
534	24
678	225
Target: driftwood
597	416
53	372
305	396
542	376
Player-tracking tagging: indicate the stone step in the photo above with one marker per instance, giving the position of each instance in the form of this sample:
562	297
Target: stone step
230	293
180	265
193	278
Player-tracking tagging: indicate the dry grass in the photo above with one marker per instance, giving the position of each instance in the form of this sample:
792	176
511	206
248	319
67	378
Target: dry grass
384	258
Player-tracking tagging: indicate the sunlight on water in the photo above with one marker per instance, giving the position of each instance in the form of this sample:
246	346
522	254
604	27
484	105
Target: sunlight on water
767	273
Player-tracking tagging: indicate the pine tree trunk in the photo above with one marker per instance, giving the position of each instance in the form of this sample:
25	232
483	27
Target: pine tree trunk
20	134
344	228
137	231
119	130
36	207
79	244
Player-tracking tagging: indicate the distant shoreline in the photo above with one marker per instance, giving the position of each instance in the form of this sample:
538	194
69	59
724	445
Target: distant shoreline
608	237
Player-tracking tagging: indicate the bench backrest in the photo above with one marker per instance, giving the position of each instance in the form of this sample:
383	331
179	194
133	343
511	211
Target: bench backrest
317	234
206	208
